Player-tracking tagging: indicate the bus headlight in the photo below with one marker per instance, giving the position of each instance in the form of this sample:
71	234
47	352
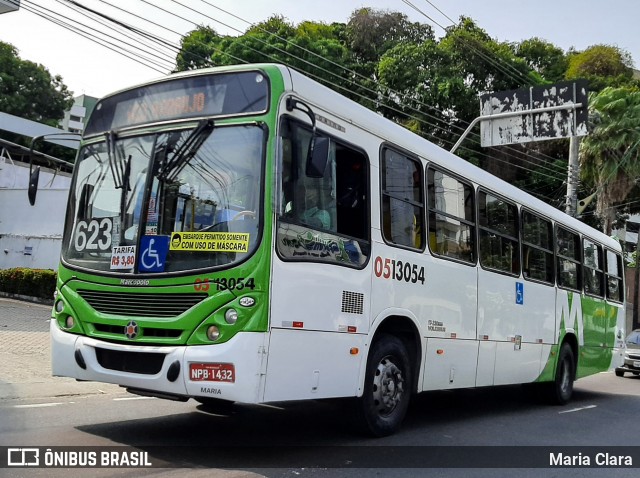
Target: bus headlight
69	322
213	333
59	306
231	316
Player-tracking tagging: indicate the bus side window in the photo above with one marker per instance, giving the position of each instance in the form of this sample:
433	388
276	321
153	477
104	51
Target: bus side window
593	268
537	248
452	224
569	262
614	285
350	207
335	204
402	200
499	241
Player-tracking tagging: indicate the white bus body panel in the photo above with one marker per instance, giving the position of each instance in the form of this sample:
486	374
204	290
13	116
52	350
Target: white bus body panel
516	365
306	364
450	364
245	351
312	332
486	363
519	325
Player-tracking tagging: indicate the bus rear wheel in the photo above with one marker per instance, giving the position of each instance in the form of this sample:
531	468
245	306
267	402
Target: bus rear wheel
561	389
387	388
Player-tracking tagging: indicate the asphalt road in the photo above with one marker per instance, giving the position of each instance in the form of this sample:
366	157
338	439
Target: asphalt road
316	439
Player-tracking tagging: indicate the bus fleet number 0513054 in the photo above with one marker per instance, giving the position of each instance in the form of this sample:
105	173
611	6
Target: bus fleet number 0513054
398	270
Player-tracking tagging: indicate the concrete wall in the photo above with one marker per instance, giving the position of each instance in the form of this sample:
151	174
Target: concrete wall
31	236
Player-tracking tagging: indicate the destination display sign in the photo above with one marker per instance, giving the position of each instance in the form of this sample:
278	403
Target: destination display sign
199	96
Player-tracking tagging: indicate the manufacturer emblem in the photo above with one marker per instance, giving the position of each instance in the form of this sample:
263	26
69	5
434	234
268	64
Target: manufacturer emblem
131	330
247	301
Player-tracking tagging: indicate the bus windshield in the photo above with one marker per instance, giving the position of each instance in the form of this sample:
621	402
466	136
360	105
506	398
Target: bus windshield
166	202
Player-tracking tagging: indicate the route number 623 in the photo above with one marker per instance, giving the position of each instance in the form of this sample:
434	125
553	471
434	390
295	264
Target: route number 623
93	235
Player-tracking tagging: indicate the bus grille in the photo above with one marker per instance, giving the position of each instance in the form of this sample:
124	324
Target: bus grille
134	362
147	331
352	302
140	305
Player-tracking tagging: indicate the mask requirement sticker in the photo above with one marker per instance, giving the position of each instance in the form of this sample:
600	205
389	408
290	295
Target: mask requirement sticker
209	241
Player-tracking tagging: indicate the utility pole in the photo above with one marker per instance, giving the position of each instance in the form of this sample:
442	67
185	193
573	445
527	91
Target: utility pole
634	323
573	177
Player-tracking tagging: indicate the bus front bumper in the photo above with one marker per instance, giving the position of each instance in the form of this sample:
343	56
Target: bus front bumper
182	371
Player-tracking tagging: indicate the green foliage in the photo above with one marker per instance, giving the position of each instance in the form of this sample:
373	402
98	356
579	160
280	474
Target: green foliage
39	283
610	154
196	49
371	33
28	90
603	66
427	89
543	57
399	69
486	64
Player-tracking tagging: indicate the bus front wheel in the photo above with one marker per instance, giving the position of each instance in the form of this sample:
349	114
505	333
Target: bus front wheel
387	388
215	406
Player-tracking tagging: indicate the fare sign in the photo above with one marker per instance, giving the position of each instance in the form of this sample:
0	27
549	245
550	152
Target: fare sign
212	372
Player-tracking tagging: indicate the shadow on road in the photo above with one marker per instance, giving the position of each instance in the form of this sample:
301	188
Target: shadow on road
324	434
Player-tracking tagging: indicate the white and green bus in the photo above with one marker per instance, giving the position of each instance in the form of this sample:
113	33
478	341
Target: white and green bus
244	234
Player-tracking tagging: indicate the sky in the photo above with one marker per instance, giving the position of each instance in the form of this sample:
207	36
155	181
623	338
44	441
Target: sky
95	70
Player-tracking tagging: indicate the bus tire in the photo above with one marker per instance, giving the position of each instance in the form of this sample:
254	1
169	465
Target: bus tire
387	387
561	389
215	406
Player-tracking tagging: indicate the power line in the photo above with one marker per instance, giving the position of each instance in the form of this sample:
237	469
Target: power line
125	29
496	63
333	84
71	25
354	73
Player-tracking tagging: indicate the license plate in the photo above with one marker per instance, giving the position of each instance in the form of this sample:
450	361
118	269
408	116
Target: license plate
212	372
636	364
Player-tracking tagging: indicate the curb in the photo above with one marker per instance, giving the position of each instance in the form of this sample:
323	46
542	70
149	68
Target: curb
26	298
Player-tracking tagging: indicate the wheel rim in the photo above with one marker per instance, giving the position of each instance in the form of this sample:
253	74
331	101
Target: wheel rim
388	386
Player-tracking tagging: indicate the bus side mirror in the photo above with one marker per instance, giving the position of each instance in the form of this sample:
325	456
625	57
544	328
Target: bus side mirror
33	184
318	157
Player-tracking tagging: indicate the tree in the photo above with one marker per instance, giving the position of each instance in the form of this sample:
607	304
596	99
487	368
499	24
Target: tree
196	49
486	64
371	32
28	90
602	65
312	47
427	90
543	57
610	154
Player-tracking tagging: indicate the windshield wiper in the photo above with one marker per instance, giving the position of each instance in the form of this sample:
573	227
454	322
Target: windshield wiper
120	170
186	151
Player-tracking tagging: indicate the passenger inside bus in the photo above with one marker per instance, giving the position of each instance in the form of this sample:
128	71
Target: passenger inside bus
313	215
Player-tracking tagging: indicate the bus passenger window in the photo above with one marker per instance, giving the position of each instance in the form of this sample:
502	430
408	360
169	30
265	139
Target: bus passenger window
615	289
499	245
537	248
402	200
569	263
593	269
452	225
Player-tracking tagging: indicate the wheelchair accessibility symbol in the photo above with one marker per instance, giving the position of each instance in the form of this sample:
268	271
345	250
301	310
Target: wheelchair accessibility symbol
153	253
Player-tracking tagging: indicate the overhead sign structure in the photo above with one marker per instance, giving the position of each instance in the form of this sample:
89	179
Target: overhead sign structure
548	112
